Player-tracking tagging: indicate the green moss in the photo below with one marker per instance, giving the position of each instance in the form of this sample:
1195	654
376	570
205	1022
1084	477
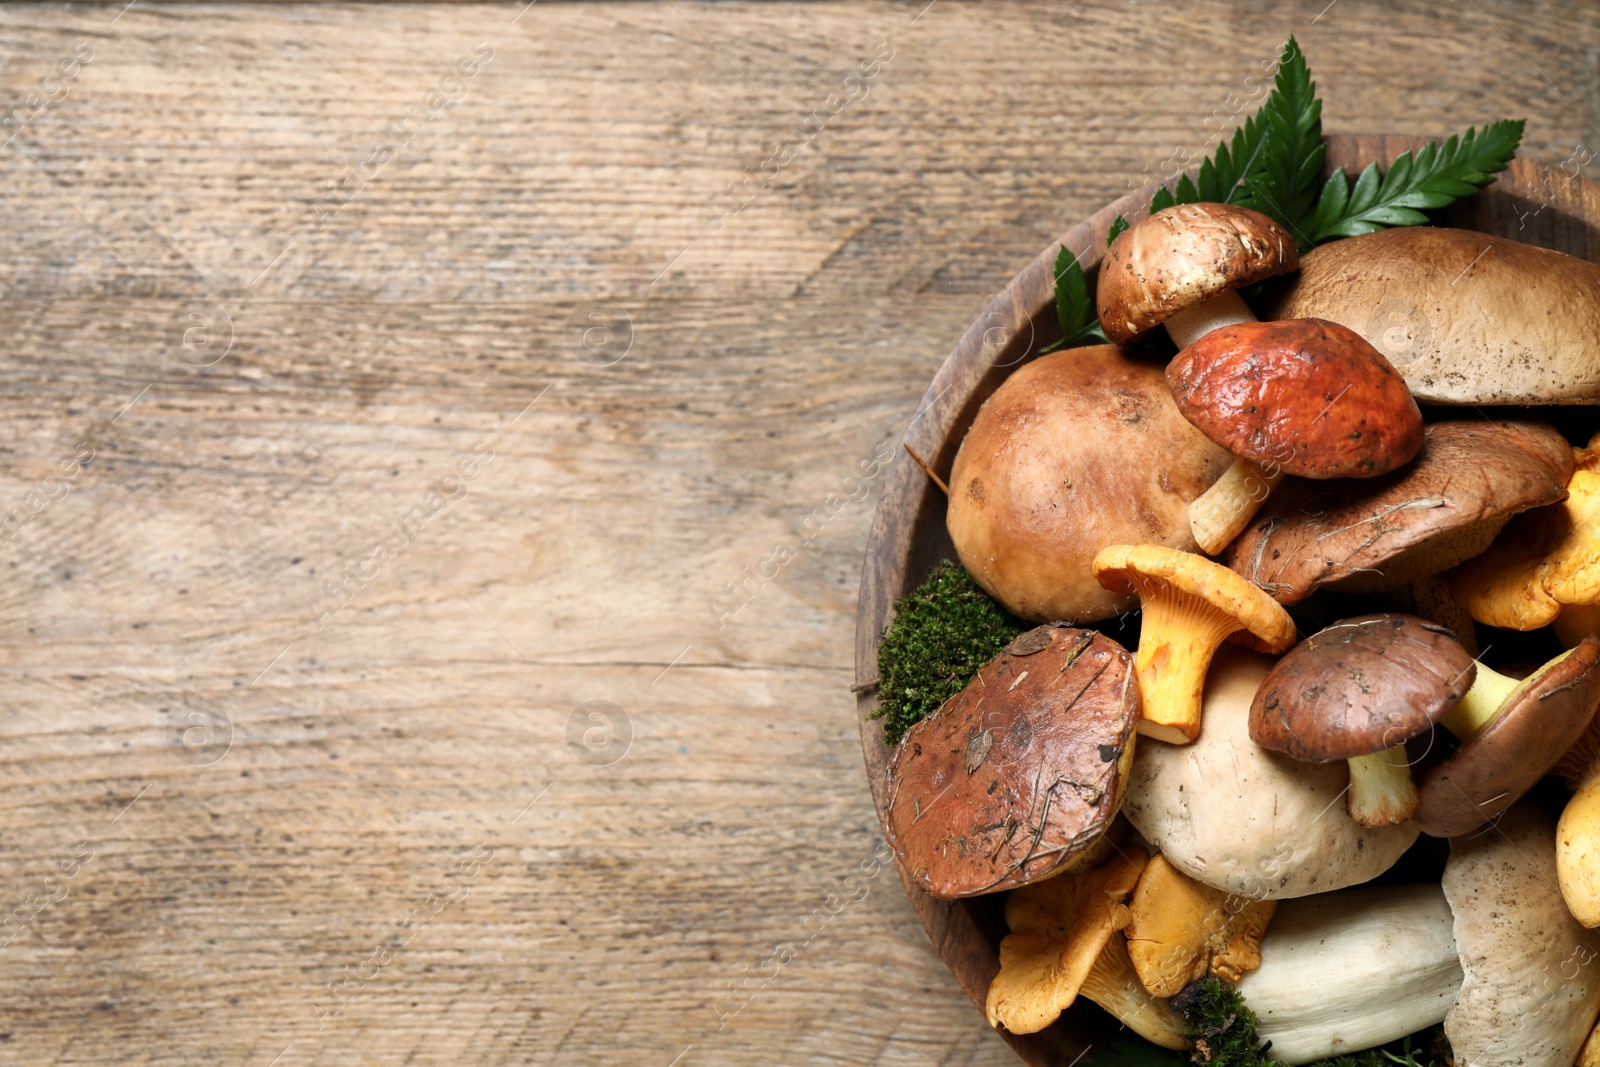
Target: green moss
941	635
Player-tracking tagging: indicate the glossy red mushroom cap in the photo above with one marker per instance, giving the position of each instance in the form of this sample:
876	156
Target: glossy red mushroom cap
1305	395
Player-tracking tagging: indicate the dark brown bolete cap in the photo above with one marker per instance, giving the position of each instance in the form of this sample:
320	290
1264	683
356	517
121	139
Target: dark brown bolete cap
1544	716
1360	686
1468	481
1306	395
1020	772
1181	256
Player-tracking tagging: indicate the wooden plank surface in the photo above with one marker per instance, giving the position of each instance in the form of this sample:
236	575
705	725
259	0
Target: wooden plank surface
515	392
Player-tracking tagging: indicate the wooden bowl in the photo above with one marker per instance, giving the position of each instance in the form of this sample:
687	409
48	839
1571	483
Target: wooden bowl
1530	202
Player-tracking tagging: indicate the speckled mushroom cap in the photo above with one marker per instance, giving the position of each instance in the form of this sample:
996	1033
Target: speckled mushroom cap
1532	983
1075	451
1466	318
1020	772
1541	719
1470	478
1306	395
1181	256
1228	813
1360	686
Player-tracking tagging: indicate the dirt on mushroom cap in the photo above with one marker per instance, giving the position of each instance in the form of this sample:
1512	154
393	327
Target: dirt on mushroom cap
1020	772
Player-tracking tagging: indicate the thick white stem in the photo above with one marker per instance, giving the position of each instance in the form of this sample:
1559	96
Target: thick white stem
1218	515
1191	324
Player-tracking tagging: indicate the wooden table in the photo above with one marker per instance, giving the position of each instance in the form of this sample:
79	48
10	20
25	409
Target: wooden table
432	492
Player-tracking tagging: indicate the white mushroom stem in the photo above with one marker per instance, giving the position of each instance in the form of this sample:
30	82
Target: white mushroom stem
1381	790
1193	323
1221	513
1346	971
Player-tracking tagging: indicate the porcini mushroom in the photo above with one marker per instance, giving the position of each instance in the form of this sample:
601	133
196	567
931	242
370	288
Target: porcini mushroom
1532	982
1346	971
1544	560
1465	317
1358	691
1180	930
1017	775
1064	942
1578	832
1512	732
1305	397
1379	534
1190	606
1076	450
1181	267
1249	822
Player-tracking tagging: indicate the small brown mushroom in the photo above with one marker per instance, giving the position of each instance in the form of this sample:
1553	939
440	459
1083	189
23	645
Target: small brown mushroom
1181	930
1303	397
1358	691
1512	732
1076	450
1017	775
1182	266
1379	534
1191	606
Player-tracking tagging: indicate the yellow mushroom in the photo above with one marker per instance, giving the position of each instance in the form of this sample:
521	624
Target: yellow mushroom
1190	607
1181	930
1543	560
1065	941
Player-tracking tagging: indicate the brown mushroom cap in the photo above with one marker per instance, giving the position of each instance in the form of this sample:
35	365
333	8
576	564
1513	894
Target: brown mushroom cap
1181	256
1075	451
1360	686
1020	772
1469	479
1465	317
1308	396
1544	716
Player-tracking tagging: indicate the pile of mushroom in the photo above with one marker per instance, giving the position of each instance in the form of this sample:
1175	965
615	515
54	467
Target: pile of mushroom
1275	486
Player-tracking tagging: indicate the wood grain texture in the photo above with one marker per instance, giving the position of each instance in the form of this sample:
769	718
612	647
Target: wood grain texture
353	357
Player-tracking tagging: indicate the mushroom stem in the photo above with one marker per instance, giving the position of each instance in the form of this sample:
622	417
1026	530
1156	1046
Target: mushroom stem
1381	790
1578	851
1178	636
1113	984
1480	705
1192	323
1221	513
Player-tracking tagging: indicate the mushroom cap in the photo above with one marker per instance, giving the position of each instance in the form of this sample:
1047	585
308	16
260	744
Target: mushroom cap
1180	930
1466	318
1147	567
1228	813
1360	686
1532	983
1058	929
1305	395
1184	255
1544	559
1544	716
1074	451
1469	479
1020	772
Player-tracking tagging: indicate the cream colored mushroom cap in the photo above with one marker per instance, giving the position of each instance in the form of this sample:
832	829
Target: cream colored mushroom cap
1532	984
1466	318
1229	813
